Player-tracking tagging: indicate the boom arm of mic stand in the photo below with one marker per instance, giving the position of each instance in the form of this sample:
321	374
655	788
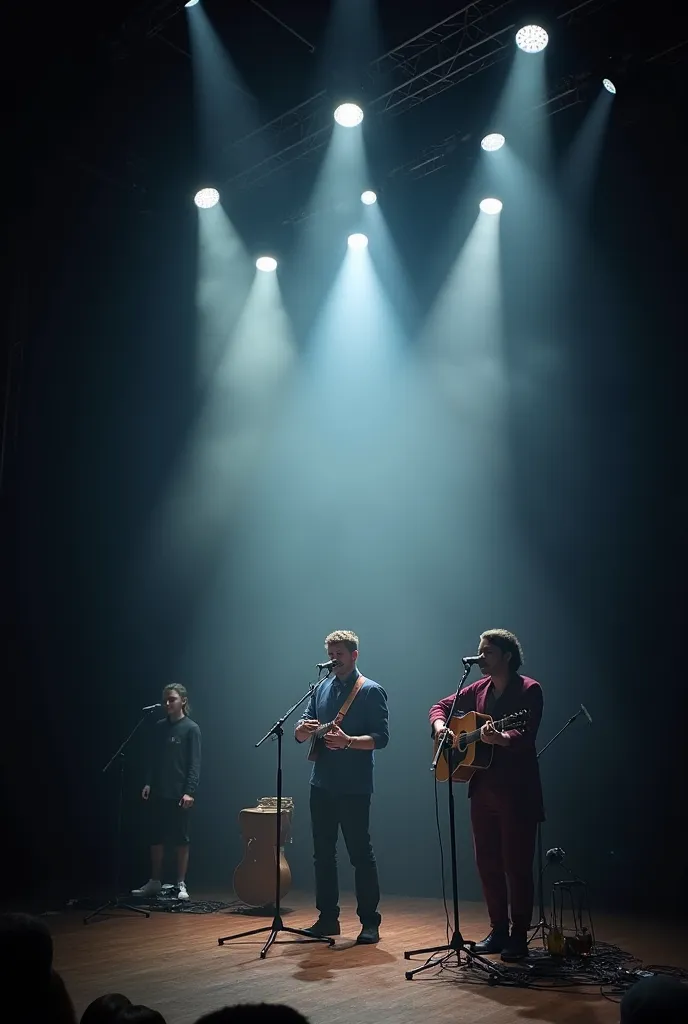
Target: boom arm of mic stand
277	727
443	743
120	749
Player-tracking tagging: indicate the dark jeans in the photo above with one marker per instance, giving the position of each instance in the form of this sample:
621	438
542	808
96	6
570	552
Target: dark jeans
351	812
504	841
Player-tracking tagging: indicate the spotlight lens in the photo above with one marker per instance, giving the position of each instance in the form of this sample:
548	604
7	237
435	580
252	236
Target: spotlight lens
206	198
267	264
609	86
491	206
348	115
493	142
191	3
531	39
358	241
368	198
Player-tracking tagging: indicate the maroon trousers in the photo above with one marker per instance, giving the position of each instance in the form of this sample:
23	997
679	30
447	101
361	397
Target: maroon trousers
504	841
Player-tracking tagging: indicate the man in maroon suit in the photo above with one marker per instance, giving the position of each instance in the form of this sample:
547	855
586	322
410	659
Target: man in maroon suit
506	798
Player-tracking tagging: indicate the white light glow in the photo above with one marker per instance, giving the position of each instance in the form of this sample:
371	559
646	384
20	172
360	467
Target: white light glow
368	197
531	39
491	206
609	86
267	264
191	3
206	198
348	115
358	241
491	143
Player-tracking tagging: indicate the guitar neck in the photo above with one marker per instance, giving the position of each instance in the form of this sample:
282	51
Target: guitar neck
473	737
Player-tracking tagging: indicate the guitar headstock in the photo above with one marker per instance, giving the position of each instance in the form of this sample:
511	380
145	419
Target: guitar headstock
518	720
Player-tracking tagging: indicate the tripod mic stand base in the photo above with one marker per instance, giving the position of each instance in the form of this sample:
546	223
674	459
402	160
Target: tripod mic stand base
274	929
456	947
116	904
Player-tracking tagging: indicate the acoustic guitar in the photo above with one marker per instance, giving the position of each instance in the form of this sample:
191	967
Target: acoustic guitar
254	878
317	744
472	754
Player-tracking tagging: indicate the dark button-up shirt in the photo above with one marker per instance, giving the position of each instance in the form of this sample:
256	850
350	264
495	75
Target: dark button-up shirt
349	771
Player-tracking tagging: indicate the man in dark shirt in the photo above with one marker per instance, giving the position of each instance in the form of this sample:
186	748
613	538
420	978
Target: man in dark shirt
506	798
342	784
174	767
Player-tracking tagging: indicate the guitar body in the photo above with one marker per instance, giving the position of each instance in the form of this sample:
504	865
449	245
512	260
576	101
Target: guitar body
474	757
255	877
317	741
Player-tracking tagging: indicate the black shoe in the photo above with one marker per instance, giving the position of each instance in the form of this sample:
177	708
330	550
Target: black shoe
517	947
494	943
368	935
323	927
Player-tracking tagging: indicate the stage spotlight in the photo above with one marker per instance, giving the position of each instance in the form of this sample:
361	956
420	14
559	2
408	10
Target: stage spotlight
493	142
609	86
206	198
191	3
266	263
491	205
368	197
348	115
531	39
358	241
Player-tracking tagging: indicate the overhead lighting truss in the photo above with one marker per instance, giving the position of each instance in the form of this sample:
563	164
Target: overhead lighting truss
474	38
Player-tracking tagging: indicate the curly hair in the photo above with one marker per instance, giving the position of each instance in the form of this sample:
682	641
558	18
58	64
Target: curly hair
181	690
508	643
343	636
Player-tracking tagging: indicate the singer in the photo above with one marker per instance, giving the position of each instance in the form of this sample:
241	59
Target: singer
172	774
506	798
342	784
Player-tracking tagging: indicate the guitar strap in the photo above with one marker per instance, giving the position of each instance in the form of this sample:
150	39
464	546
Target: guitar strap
349	700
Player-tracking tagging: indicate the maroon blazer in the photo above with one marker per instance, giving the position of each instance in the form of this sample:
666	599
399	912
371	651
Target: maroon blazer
514	774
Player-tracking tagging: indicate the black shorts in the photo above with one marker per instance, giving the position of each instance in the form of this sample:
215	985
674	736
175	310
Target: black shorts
169	823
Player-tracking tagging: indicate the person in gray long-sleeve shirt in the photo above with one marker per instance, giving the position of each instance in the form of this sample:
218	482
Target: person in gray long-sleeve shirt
172	775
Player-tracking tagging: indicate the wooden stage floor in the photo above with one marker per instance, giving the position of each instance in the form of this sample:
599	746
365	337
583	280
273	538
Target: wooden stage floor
172	961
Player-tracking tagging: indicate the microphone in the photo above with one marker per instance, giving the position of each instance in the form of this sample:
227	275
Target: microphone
586	713
473	660
327	664
151	707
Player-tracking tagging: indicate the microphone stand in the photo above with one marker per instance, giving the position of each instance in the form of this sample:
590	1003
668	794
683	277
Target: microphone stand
543	924
457	945
118	902
277	925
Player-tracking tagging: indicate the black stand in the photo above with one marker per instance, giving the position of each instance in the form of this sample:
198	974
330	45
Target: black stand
118	902
278	925
543	924
457	945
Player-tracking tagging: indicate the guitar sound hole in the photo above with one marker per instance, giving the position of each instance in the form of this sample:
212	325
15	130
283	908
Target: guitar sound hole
454	758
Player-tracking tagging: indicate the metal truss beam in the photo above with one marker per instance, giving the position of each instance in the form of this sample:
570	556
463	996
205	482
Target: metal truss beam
451	51
146	21
456	48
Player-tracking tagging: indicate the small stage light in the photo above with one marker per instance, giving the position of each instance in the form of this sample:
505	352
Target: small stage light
358	241
531	39
266	263
348	115
493	142
206	198
191	3
609	86
368	197
491	205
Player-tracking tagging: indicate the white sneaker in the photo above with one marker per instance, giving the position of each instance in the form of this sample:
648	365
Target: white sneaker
182	894
151	888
